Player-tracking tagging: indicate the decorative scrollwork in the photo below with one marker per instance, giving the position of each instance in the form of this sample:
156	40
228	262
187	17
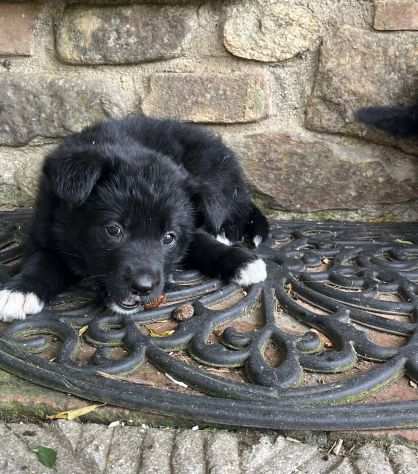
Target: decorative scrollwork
334	322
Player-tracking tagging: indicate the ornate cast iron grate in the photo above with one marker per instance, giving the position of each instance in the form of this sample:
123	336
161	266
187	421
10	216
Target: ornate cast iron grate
311	348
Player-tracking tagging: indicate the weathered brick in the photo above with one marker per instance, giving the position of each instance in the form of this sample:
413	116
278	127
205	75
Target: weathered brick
275	31
208	98
16	28
270	31
33	105
301	173
359	69
123	35
396	15
20	167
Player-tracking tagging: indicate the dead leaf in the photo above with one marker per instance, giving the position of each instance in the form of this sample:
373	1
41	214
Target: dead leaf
152	332
183	312
177	382
156	303
337	447
110	376
408	242
115	424
117	377
74	414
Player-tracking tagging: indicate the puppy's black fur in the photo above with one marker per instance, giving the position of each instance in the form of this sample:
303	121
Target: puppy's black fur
125	202
398	121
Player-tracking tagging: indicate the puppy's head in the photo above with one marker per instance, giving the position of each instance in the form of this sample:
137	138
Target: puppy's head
124	218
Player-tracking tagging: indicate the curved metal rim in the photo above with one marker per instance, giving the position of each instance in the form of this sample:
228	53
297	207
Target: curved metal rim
206	409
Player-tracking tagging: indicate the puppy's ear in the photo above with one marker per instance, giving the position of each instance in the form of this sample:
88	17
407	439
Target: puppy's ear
72	175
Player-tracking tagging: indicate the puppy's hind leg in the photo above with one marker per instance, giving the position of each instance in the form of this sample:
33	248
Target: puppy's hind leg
257	227
41	278
229	263
253	229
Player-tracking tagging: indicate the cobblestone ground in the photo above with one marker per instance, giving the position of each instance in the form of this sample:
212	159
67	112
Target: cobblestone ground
91	448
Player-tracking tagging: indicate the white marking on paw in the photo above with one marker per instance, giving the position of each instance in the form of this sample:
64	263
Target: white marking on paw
223	239
251	273
117	309
17	305
257	240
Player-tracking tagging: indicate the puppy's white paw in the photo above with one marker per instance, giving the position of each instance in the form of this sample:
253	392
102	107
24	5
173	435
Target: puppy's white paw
17	305
257	240
223	239
251	273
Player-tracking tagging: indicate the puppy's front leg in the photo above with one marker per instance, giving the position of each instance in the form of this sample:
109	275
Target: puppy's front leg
230	263
42	277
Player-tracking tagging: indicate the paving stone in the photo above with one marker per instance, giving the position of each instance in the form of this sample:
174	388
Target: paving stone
122	35
396	15
86	448
372	460
359	68
282	456
188	455
319	464
156	452
72	430
94	445
35	105
202	97
16	29
256	454
34	436
345	467
404	460
15	457
227	444
125	451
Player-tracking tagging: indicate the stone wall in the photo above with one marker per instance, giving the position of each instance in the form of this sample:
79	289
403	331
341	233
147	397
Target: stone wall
278	79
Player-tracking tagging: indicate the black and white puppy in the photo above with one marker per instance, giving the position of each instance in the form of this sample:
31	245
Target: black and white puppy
126	201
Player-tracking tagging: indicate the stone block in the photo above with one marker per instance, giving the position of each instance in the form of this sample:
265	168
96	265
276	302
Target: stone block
360	69
309	174
270	31
16	28
122	35
208	98
35	105
19	176
396	15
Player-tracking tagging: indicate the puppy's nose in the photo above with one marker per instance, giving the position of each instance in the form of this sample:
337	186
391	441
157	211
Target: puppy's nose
144	284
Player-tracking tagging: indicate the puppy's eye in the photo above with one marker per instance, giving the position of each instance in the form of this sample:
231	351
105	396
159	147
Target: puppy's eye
169	238
114	230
